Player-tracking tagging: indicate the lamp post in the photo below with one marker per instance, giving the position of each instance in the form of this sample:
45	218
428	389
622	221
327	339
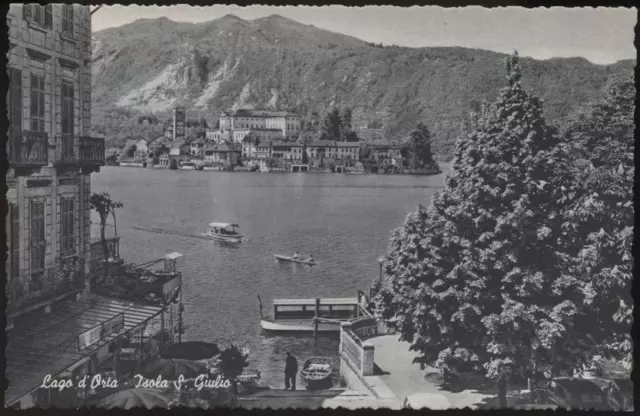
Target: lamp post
380	262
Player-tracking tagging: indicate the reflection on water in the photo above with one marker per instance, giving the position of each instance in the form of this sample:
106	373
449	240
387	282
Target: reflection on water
344	221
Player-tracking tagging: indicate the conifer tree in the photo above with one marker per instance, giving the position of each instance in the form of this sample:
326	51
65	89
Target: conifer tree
332	125
484	295
417	148
598	224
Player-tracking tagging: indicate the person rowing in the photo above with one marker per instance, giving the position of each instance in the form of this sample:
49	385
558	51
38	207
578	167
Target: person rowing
296	256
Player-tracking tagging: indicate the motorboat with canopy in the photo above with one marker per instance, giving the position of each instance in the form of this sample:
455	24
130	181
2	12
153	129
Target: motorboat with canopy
224	232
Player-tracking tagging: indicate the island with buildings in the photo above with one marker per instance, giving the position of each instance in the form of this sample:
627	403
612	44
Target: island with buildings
263	141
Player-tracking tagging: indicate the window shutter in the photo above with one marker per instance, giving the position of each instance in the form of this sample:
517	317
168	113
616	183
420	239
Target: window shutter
15	240
26	11
48	19
16	99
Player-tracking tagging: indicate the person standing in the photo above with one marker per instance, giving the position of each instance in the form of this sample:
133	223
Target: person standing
290	372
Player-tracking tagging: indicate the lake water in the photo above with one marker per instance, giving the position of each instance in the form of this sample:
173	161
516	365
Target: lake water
343	220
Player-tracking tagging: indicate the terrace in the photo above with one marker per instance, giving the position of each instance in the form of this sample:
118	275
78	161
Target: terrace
28	290
27	149
82	151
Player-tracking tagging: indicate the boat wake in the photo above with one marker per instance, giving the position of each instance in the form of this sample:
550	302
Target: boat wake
170	232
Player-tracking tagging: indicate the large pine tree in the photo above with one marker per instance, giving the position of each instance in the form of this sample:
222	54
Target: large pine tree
484	291
598	223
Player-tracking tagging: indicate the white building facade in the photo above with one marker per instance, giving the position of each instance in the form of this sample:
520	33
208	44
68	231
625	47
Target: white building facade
288	124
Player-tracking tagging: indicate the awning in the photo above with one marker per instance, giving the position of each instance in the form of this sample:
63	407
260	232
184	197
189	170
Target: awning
222	225
48	343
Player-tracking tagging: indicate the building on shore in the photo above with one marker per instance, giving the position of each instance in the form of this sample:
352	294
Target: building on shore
386	153
266	125
287	152
223	154
57	323
341	153
196	148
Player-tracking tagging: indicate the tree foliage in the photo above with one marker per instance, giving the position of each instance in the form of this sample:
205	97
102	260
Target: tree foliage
478	282
104	206
599	219
417	149
233	361
337	126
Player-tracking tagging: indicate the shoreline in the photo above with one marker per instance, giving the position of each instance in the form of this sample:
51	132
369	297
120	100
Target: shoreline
315	172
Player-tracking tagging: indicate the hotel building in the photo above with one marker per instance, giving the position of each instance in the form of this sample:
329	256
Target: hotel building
56	324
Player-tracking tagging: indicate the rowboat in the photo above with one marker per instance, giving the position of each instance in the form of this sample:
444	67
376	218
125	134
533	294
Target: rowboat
291	259
298	315
224	232
316	373
249	379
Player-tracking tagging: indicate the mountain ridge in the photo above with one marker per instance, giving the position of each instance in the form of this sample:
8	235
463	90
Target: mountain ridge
151	65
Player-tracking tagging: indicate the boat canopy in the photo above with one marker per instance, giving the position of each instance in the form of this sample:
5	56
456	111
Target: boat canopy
312	302
222	225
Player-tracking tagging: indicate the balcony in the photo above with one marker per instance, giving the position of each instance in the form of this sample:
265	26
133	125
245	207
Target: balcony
27	149
80	151
28	290
97	253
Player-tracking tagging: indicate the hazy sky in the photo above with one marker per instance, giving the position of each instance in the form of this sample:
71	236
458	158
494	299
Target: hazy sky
601	35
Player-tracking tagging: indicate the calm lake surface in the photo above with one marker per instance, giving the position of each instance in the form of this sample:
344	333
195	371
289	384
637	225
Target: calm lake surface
343	220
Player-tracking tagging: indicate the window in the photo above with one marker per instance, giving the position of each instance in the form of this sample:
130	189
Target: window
67	19
14	239
67	232
37	238
37	103
38	14
67	107
14	99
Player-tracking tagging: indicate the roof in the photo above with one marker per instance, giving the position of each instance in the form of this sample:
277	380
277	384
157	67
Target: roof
244	112
178	143
248	139
384	146
332	143
323	301
347	144
222	225
173	256
256	129
48	343
223	147
285	143
130	142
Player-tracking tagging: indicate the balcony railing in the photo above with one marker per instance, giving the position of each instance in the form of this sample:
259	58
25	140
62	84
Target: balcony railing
30	289
97	252
92	150
80	150
27	148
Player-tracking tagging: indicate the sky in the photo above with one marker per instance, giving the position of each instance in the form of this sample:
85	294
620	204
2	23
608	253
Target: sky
601	35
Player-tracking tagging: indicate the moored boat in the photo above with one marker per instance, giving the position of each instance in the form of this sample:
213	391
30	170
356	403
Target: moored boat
316	373
308	261
224	232
298	315
249	379
187	166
